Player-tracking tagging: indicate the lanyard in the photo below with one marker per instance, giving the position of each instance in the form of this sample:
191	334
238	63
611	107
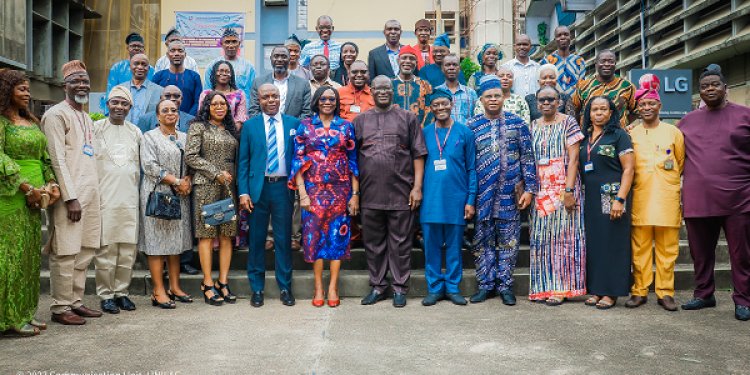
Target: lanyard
445	141
592	145
87	132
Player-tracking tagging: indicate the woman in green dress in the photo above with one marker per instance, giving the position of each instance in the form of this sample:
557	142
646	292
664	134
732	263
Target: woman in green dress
27	184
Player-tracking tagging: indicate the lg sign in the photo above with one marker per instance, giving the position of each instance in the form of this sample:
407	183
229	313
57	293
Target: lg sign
675	91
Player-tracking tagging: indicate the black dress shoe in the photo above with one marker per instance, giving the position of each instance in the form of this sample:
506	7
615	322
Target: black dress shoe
635	301
480	296
287	298
432	298
742	313
256	300
399	299
699	303
188	269
125	303
373	297
508	298
110	307
456	298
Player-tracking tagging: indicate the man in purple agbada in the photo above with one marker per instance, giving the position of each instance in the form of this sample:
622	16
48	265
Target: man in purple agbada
716	190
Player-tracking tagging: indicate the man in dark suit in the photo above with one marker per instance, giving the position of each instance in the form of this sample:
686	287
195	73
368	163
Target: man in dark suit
265	159
149	121
383	60
294	91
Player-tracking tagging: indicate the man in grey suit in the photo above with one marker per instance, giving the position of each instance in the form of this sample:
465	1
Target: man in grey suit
146	94
294	91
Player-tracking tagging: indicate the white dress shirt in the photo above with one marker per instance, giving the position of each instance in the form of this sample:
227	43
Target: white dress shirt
283	86
525	76
280	138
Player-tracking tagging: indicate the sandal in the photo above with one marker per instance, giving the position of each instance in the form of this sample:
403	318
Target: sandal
554	301
185	298
592	301
604	305
229	297
215	299
26	330
38	324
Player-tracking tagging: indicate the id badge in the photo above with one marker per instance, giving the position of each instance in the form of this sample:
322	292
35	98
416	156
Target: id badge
588	167
544	161
354	109
88	150
292	133
440	165
668	165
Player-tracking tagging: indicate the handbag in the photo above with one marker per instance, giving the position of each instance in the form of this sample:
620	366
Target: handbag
219	212
166	206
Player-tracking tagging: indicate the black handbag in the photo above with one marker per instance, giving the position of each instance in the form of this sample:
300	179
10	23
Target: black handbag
166	206
219	212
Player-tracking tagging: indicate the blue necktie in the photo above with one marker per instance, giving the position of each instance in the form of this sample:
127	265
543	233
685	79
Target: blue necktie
273	151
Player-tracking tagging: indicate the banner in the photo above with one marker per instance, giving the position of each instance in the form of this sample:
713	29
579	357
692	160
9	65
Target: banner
201	32
676	90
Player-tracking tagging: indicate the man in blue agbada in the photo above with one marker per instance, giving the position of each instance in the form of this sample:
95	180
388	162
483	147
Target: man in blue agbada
433	73
506	176
449	194
120	71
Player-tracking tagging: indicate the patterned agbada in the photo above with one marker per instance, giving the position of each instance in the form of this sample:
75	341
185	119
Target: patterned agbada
558	247
617	88
570	70
411	96
23	158
504	160
327	160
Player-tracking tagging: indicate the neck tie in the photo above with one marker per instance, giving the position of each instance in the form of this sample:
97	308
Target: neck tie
273	151
325	48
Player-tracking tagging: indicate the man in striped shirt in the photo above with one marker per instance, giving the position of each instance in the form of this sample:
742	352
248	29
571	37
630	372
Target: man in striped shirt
325	46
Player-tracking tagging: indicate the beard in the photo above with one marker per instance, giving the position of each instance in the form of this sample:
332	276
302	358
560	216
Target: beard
81	99
280	69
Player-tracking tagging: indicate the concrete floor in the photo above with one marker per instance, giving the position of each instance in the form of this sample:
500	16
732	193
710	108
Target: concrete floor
487	338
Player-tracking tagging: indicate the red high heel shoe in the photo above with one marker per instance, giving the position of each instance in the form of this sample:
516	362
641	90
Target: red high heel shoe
318	302
334	302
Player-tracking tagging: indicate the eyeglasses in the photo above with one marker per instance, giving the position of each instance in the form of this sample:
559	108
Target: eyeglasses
169	110
218	105
327	99
546	99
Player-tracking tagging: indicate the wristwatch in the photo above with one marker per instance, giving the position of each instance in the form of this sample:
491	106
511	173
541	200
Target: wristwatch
621	200
355	193
570	190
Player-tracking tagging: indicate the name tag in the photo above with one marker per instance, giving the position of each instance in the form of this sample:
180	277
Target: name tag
88	150
668	165
440	165
354	108
292	133
588	167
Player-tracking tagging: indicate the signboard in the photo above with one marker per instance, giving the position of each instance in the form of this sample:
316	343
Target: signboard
201	32
676	90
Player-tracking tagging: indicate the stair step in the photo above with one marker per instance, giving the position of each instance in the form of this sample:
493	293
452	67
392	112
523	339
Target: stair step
355	283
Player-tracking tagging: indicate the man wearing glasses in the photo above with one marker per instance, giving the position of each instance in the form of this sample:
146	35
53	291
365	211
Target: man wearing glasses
325	46
148	121
356	97
120	71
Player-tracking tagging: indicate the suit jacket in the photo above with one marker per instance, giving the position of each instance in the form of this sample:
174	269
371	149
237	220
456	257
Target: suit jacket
251	166
379	64
149	121
152	98
297	96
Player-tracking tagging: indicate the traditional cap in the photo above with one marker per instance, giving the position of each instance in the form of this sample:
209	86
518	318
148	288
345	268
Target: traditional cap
422	23
407	49
171	32
484	49
134	37
439	92
713	70
442	40
120	92
229	32
488	82
73	67
648	87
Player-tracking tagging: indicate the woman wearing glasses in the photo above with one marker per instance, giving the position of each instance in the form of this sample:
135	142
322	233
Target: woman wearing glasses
210	151
164	171
224	82
558	251
324	169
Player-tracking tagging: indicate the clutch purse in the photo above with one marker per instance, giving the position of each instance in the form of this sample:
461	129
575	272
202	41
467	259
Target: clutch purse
219	212
166	206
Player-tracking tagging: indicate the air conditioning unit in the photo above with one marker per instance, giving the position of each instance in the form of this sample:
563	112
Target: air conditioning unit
274	3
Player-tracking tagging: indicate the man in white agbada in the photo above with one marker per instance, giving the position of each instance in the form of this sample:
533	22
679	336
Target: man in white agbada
117	143
76	216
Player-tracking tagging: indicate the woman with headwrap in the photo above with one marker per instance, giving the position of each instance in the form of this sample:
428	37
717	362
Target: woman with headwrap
294	45
657	215
488	57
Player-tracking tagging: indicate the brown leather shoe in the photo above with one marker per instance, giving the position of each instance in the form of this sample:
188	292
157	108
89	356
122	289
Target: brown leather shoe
68	318
636	301
269	245
296	246
87	312
667	303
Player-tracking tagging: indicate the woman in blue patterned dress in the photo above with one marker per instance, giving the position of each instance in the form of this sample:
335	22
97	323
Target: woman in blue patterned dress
324	169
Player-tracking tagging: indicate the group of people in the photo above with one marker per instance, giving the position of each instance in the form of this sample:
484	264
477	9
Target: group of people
399	143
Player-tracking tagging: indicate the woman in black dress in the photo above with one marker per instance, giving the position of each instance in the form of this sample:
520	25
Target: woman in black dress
607	163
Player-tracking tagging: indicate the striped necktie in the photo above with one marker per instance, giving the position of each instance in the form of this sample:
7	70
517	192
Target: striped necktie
273	150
